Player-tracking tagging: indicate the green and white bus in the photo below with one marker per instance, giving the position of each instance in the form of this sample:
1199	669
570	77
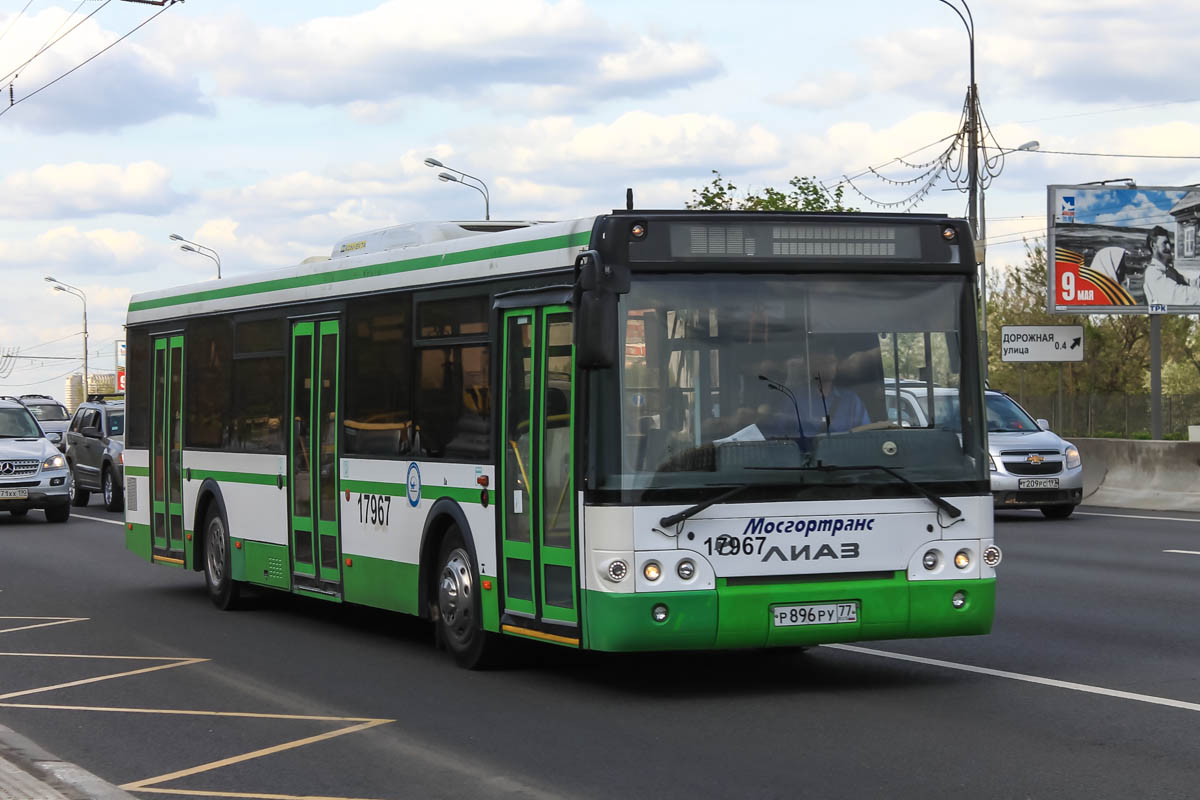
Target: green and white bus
642	431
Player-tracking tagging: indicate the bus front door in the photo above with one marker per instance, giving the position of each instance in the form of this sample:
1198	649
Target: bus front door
166	448
313	473
537	493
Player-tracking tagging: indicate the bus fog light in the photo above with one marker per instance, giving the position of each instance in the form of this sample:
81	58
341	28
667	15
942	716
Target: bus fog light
686	569
959	599
930	560
962	559
992	555
652	571
660	613
617	570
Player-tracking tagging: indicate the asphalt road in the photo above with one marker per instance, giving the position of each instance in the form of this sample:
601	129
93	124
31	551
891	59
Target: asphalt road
1088	687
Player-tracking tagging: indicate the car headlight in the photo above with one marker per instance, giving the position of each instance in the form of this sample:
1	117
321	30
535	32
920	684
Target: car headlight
54	462
1073	459
991	462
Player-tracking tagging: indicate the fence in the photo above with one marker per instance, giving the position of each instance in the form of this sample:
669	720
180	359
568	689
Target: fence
1121	415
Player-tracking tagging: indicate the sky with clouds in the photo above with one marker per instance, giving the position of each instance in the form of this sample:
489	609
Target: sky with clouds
269	130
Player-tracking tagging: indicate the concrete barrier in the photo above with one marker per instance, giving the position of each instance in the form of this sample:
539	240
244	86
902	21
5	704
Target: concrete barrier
1149	475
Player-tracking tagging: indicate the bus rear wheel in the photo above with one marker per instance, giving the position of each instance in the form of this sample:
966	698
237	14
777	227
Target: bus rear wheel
457	606
223	590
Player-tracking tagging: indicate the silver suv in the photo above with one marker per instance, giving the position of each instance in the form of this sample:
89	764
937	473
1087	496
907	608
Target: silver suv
1031	466
96	451
33	474
51	415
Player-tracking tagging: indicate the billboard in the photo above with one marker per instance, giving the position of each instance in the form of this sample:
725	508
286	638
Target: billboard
1123	250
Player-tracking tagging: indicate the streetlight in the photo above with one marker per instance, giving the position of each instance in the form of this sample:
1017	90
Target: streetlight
59	286
459	178
981	245
192	247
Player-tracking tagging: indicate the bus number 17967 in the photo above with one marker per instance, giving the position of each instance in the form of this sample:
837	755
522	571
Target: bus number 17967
374	509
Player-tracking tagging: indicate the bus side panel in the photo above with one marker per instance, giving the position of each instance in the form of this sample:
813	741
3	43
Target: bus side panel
137	503
254	490
384	509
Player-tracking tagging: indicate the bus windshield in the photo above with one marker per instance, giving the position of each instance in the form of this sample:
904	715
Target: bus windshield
729	380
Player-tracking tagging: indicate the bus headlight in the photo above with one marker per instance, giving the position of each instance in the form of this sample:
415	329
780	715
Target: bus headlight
992	555
930	560
660	612
959	599
1073	459
617	570
962	559
652	571
686	569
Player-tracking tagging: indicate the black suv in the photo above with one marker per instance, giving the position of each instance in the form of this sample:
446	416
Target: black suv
96	451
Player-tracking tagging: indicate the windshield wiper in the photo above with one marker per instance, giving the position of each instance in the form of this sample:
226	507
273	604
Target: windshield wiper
939	501
691	511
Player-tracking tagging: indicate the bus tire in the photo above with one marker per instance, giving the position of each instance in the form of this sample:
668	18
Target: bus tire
458	615
223	590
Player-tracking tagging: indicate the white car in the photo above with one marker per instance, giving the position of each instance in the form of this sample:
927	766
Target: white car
1031	466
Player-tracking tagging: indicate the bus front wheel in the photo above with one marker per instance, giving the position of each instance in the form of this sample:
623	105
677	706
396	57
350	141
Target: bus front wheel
223	590
457	606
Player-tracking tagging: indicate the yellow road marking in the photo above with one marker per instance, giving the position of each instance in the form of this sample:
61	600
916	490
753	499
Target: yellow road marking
190	712
249	795
57	621
22	693
266	751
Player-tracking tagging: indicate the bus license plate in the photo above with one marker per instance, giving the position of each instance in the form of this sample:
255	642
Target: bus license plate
826	614
14	494
1037	483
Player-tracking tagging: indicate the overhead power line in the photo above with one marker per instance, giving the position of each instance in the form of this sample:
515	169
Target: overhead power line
48	45
96	55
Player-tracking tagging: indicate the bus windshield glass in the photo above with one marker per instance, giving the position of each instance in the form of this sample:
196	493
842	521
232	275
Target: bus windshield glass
730	380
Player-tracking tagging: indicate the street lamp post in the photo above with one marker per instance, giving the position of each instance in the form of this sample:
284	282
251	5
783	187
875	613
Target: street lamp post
192	247
461	177
59	286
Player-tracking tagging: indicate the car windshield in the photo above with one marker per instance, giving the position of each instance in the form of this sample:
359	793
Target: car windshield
116	423
739	379
1003	414
16	423
48	412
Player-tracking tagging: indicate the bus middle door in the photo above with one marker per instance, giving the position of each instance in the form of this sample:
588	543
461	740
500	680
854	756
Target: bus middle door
538	539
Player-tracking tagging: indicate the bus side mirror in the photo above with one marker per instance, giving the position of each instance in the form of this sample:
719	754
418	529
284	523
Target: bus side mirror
596	338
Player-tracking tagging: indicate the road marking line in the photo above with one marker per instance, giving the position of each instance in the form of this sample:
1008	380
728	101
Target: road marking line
102	519
225	762
57	621
1017	676
248	795
181	663
187	712
1184	552
1135	516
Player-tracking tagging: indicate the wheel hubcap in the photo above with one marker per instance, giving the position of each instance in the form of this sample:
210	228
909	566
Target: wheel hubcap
455	602
215	545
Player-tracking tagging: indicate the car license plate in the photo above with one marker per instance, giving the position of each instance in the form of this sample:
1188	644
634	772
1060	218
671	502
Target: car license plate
823	614
1037	483
14	494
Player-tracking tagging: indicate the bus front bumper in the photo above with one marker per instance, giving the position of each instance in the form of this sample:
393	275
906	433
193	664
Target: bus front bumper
731	617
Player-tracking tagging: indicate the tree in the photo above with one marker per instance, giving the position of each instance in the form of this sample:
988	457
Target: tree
805	194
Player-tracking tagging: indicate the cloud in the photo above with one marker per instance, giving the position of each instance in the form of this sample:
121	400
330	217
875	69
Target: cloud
80	189
554	54
128	85
102	250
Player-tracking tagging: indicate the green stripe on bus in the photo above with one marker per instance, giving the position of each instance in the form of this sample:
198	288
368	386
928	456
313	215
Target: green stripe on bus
427	492
371	271
238	477
137	472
